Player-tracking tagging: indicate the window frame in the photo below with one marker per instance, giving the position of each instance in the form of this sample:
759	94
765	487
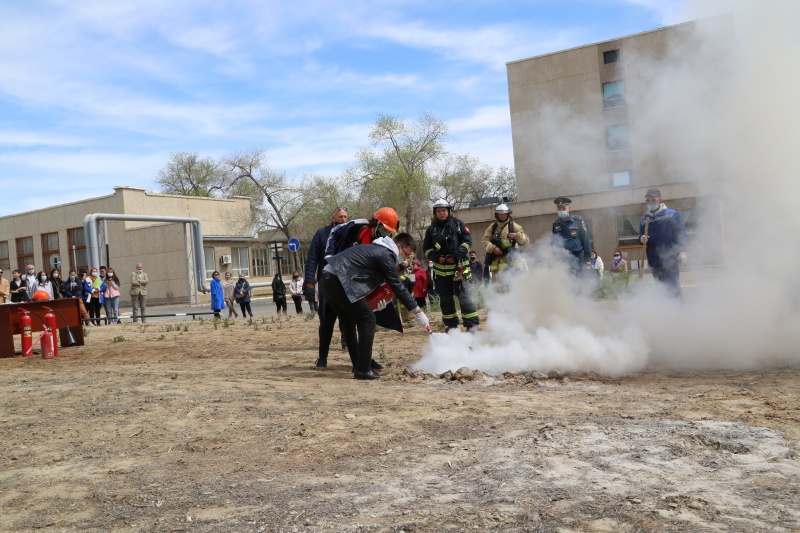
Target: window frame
621	147
5	259
617	54
630	178
78	248
621	102
236	259
23	259
209	273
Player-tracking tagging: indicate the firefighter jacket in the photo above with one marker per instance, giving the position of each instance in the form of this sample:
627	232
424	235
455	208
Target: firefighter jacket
501	230
447	243
574	237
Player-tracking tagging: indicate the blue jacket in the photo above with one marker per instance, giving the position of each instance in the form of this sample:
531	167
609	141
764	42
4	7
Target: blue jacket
242	286
87	287
72	288
316	254
217	295
574	236
361	269
667	237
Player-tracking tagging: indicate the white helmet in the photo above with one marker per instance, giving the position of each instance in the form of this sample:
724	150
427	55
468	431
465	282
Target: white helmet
501	208
441	202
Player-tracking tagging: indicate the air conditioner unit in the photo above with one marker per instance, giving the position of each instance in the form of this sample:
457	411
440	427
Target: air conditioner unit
226	260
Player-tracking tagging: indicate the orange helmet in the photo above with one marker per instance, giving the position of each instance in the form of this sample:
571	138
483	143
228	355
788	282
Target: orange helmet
40	295
388	217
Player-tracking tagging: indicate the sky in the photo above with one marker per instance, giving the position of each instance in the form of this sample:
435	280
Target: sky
97	94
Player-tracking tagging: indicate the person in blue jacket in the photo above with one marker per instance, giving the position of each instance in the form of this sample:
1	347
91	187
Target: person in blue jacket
217	295
571	232
664	237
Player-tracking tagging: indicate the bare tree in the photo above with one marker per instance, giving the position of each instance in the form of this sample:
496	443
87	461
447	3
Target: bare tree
281	201
189	175
394	171
461	179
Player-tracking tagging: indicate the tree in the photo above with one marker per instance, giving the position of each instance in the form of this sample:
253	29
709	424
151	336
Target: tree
281	202
394	170
461	179
188	175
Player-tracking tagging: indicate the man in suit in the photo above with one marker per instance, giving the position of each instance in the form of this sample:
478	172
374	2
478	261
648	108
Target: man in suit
139	292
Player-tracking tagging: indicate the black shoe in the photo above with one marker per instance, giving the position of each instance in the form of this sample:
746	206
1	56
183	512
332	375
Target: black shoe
374	365
322	364
473	329
370	374
448	328
344	347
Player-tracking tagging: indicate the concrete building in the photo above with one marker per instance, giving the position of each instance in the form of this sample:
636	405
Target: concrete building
55	236
603	122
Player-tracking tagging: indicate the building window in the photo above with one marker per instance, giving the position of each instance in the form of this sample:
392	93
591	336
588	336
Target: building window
24	253
613	94
240	261
77	249
5	262
617	137
628	230
621	178
612	56
261	260
50	257
208	255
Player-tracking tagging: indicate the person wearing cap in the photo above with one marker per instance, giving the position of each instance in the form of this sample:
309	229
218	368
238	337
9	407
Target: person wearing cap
447	244
571	232
664	237
501	240
313	272
350	276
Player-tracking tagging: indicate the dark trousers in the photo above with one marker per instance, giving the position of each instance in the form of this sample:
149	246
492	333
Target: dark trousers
245	307
357	318
422	302
94	310
668	273
448	288
327	319
280	304
298	303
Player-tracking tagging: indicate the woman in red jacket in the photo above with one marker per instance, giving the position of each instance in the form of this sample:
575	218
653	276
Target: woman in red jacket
420	283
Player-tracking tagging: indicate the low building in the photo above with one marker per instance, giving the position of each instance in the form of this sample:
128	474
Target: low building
54	237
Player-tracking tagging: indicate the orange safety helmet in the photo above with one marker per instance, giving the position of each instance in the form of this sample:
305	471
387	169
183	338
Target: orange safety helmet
388	217
40	295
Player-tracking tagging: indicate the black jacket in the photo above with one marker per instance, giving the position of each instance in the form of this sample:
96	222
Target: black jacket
361	269
18	297
278	289
316	254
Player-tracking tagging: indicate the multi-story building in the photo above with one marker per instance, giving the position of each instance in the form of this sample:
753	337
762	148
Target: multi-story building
602	123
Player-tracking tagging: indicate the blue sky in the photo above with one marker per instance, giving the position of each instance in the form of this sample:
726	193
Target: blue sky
95	94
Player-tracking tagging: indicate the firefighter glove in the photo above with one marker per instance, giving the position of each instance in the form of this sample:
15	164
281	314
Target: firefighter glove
468	274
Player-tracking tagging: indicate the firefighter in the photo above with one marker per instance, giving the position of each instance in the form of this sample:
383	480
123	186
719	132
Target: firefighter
447	244
501	240
570	231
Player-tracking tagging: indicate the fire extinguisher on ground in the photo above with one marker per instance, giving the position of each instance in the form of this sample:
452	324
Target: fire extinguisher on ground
27	339
50	325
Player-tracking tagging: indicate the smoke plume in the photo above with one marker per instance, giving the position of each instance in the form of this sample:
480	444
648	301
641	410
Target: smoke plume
728	103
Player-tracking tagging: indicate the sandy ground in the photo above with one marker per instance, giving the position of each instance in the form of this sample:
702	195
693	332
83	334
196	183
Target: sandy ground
193	426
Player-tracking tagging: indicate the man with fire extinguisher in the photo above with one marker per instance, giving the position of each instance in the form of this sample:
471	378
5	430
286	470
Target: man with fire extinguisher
347	281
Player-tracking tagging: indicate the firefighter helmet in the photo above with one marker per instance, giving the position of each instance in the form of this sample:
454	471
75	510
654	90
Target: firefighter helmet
441	202
388	217
502	208
40	295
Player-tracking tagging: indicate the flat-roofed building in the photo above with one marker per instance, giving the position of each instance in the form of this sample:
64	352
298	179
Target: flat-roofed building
602	123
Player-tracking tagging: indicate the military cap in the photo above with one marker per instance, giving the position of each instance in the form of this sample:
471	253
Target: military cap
562	200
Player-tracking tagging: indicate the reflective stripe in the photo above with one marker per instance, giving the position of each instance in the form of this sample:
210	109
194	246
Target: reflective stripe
455	315
469	315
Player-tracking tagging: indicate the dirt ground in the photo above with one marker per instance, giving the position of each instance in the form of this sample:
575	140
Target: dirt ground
193	426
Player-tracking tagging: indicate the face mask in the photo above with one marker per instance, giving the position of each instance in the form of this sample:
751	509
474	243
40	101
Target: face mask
94	274
55	275
652	207
102	275
430	265
139	271
617	257
594	256
31	272
72	278
110	275
16	276
563	214
43	278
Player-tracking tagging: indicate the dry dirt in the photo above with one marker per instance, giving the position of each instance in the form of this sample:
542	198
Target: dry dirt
195	427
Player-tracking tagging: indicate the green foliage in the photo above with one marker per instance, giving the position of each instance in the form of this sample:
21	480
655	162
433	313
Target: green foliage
611	288
161	337
118	338
309	316
187	174
227	323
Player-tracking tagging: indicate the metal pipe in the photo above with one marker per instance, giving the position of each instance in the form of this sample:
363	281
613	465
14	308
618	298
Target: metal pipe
94	249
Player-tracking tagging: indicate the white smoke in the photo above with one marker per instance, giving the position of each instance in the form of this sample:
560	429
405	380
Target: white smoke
737	123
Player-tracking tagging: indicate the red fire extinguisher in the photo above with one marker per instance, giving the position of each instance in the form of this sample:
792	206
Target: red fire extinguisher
381	292
50	325
48	346
27	339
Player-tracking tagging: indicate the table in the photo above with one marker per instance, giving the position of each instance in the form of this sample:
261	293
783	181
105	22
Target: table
10	323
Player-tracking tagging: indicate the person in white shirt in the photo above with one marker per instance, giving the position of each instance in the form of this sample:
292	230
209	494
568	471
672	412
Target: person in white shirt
296	288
